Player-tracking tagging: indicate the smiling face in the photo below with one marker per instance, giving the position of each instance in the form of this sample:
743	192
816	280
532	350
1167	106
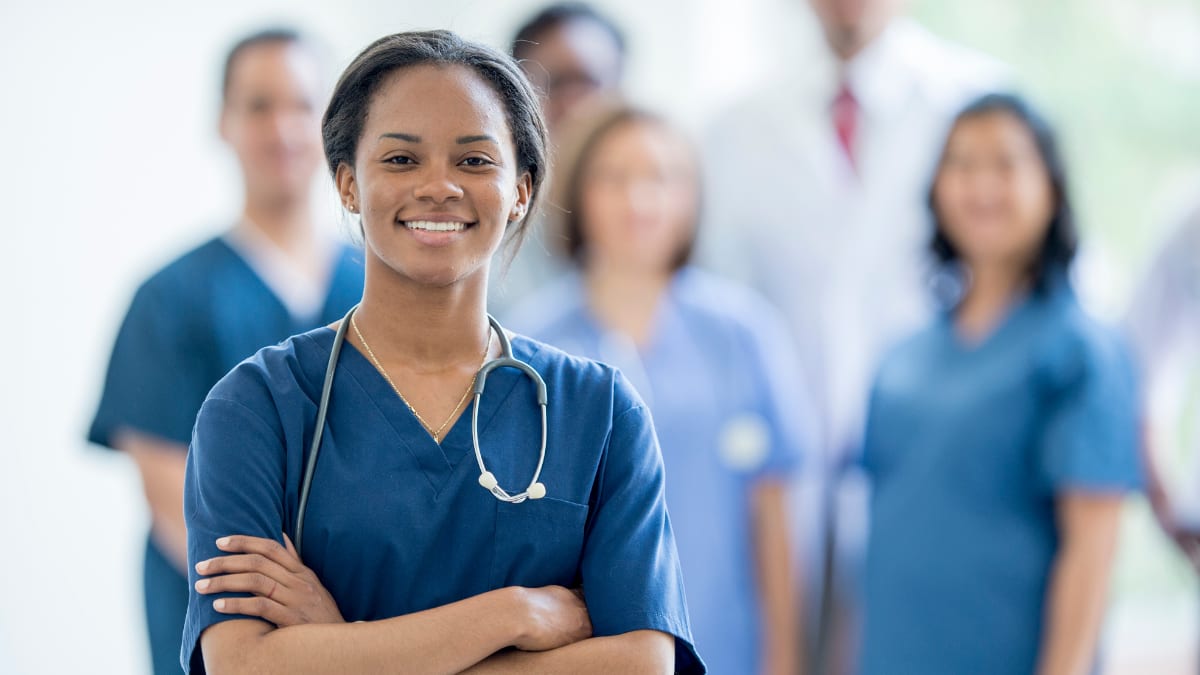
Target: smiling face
271	118
993	192
638	197
435	175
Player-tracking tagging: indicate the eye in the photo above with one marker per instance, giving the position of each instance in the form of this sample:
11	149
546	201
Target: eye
477	162
399	160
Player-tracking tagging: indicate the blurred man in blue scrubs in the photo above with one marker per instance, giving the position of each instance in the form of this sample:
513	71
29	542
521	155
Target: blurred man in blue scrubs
272	274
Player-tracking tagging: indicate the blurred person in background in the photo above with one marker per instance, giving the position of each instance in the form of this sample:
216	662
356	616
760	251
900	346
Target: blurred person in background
571	53
817	188
276	272
712	360
1003	437
1164	327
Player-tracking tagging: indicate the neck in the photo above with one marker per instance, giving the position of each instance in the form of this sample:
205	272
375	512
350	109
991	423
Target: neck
625	299
993	287
845	46
850	42
429	328
286	221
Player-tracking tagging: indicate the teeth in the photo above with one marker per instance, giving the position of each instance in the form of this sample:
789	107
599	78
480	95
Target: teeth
431	226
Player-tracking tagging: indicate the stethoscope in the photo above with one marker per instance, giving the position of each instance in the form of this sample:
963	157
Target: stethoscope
487	479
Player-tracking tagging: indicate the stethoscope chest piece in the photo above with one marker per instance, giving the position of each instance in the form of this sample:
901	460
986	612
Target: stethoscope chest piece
487	479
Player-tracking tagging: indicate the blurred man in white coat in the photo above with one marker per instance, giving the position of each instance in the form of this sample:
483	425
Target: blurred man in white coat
1164	329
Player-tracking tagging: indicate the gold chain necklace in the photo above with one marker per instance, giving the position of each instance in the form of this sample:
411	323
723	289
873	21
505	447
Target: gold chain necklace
437	435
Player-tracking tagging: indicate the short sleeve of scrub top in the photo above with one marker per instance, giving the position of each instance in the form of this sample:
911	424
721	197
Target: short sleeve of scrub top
631	577
246	460
1086	440
149	385
784	403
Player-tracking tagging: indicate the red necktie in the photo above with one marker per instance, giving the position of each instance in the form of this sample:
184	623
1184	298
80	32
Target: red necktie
845	120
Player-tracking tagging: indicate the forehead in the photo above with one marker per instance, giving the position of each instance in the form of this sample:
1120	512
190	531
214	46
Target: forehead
996	129
274	67
644	140
575	43
431	99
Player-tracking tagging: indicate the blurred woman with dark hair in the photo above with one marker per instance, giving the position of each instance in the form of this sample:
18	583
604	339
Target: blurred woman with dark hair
1001	440
707	356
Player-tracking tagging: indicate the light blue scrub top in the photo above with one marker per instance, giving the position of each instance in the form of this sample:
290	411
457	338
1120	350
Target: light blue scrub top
720	379
188	325
968	447
397	523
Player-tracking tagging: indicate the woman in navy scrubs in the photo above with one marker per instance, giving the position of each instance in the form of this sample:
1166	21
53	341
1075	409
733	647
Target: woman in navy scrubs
439	144
1001	439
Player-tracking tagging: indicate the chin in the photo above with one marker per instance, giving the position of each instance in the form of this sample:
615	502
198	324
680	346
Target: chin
442	276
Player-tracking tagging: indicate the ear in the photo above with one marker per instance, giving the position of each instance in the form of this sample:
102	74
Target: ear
347	188
223	123
520	207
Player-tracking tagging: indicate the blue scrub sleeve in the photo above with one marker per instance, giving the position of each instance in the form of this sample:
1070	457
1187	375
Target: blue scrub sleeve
153	384
230	440
1090	441
784	405
631	575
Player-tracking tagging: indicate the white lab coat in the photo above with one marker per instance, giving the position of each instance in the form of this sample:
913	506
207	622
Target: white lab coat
1164	326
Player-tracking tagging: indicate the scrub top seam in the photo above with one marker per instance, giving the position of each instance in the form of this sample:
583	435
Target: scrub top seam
253	415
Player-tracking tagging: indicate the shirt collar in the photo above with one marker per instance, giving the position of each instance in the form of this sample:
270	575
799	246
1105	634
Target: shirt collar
882	77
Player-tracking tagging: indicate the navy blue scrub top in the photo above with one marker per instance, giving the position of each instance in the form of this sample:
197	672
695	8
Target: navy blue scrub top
189	325
397	523
968	447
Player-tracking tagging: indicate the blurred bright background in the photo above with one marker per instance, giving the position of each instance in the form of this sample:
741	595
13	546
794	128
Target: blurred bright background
113	165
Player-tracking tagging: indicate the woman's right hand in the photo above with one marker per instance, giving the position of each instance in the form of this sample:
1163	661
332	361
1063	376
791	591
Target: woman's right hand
554	617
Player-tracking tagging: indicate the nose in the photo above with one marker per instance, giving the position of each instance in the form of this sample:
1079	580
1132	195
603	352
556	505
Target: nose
436	184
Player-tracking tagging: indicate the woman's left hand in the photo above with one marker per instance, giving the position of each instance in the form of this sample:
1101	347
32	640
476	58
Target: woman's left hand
284	591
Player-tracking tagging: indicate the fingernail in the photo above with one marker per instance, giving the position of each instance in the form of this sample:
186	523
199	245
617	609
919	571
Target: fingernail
223	542
201	566
202	584
219	604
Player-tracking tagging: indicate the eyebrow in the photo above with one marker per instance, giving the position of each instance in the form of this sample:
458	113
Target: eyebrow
461	140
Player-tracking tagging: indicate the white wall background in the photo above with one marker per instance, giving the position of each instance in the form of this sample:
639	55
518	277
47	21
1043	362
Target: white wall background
110	164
